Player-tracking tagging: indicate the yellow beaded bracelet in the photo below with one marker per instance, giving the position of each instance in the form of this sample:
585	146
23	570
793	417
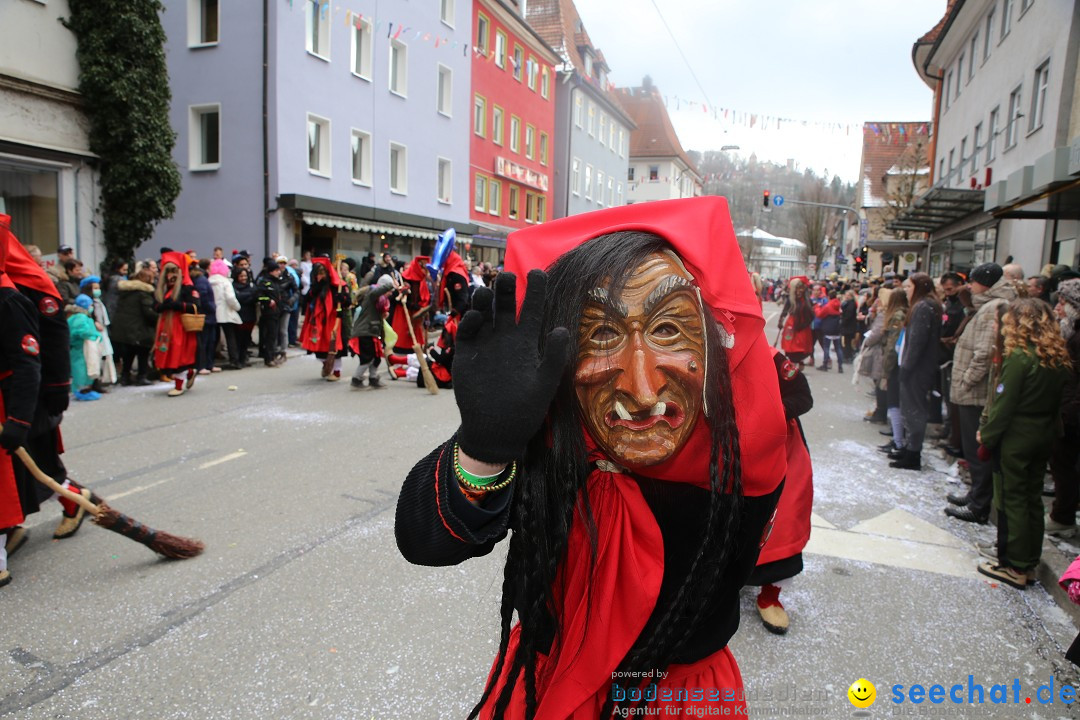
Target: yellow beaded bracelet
477	488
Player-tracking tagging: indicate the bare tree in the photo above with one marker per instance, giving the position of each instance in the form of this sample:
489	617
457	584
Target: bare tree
904	182
812	219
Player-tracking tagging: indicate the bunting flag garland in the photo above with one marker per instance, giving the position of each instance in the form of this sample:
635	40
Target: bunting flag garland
394	30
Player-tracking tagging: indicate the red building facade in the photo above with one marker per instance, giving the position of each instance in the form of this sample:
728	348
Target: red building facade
513	120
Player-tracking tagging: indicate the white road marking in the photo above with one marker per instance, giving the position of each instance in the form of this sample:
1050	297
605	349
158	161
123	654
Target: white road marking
895	539
224	459
138	488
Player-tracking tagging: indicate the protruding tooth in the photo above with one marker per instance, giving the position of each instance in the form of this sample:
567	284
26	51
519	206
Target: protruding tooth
621	412
659	408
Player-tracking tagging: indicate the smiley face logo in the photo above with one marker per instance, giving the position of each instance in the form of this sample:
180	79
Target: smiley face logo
862	693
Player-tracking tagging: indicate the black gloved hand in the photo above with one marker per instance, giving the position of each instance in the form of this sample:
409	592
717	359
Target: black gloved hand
57	401
13	435
501	385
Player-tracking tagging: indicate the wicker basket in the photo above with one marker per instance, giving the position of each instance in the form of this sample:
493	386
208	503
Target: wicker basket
193	323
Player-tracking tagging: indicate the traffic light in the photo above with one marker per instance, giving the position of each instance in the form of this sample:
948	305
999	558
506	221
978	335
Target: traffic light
765	200
860	259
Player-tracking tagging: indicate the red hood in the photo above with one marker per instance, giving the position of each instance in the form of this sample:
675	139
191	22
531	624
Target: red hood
19	266
335	279
180	260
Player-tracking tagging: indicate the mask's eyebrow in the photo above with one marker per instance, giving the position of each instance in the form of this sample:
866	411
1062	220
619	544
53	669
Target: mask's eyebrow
602	296
670	284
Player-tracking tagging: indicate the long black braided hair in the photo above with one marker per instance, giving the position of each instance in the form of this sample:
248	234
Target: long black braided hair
553	478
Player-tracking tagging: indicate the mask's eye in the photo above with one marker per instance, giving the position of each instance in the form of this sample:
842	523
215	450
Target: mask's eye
603	334
666	330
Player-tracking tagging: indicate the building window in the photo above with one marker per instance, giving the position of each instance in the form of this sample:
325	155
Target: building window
480	193
318	137
599	188
497	125
603	128
622	149
530	142
976	148
1024	5
543	148
444	181
444	99
204	131
494	197
991	135
959	73
588	182
399	68
610	190
611	135
575	176
654	173
1012	121
971	53
500	49
534	72
483	25
630	174
203	18
30	195
618	194
963	158
541	208
480	116
1038	99
446	12
545	79
399	169
948	90
530	207
512	211
515	133
361	158
362	47
318	29
519	61
988	33
592	120
1006	17
941	171
578	109
952	166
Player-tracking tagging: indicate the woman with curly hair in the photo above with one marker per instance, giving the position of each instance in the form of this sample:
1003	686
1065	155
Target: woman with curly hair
1019	431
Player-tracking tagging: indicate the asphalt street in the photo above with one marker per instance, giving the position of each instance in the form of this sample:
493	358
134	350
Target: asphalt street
302	607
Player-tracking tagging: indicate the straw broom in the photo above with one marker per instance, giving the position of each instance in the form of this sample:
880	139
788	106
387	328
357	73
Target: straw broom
429	379
163	543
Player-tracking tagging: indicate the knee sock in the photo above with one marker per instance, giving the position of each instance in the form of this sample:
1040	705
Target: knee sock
179	380
769	596
70	507
897	423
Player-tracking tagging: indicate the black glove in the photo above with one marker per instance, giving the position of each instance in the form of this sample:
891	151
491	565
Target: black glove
57	401
14	435
502	386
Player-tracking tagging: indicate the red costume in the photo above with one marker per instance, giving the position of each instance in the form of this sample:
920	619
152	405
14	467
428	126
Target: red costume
321	333
175	347
455	281
419	297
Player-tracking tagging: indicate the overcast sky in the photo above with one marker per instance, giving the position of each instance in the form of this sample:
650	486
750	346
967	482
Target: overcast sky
821	61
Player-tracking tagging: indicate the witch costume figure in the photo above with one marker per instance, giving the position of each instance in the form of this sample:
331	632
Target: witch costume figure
174	345
321	334
626	430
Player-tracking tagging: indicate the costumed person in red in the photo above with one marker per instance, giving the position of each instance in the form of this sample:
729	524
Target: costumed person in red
44	442
175	347
627	426
321	333
440	359
781	556
796	320
413	302
454	285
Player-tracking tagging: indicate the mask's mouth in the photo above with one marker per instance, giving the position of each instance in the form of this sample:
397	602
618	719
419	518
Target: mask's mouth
668	412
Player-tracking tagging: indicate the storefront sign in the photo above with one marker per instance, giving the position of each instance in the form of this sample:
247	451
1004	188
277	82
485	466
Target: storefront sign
521	174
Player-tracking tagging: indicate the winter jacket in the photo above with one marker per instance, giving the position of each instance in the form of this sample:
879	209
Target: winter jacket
873	349
110	292
922	336
848	321
228	307
369	322
81	329
893	326
829	315
245	295
268	294
975	349
1026	403
135	317
207	306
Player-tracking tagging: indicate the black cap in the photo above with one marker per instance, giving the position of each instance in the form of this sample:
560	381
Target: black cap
987	274
64	249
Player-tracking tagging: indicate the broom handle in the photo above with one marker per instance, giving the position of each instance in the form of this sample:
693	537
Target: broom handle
55	486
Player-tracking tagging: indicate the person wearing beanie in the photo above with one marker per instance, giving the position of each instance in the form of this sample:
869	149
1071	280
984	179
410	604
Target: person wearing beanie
972	364
85	356
367	339
1066	450
227	310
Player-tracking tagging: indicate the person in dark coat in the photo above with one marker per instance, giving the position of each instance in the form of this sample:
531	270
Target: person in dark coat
1066	450
133	325
367	333
245	294
918	361
828	317
208	337
849	324
954	313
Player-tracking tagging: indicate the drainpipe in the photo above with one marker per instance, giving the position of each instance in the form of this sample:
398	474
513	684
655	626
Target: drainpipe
265	128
